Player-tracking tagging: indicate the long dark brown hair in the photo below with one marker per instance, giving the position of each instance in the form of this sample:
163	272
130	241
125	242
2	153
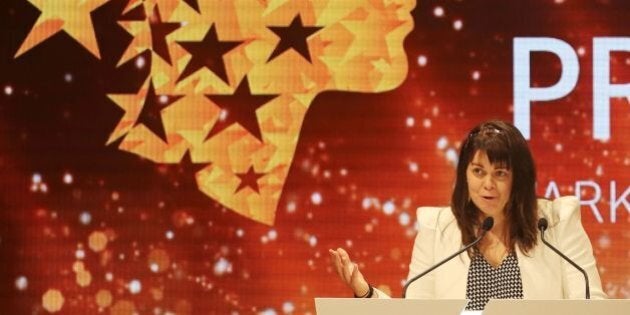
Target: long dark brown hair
505	147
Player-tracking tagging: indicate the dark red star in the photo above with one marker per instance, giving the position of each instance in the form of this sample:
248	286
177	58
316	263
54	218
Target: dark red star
207	53
193	4
150	115
249	179
187	171
135	14
159	31
187	165
293	36
240	108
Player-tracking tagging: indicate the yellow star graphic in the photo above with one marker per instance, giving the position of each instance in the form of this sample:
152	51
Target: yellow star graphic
71	16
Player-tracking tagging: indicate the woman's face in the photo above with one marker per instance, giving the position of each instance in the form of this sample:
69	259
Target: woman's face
489	186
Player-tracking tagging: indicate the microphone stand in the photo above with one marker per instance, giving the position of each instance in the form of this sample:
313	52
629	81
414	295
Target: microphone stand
486	226
542	226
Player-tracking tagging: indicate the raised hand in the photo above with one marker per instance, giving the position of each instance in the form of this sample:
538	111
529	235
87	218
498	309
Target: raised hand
349	272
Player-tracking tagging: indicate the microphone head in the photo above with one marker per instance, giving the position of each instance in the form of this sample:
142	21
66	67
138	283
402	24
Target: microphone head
542	224
487	224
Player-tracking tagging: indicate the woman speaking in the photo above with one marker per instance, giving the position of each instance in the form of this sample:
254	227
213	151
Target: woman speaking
496	178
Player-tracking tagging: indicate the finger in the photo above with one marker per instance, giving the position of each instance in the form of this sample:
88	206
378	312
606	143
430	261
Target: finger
341	268
348	270
343	254
349	275
336	262
355	272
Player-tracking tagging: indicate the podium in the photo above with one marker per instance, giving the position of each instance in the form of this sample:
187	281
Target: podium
351	306
557	307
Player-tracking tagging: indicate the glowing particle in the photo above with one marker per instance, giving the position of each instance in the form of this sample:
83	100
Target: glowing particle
451	156
78	266
604	242
369	228
410	122
312	240
581	51
36	178
291	207
223	114
103	298
316	198
97	241
422	60
366	203
67	178
288	307
135	286
426	123
458	24
558	147
268	311
83	278
326	174
21	283
404	219
158	260
79	254
240	233
476	75
163	99
52	300
413	167
67	77
272	234
123	307
140	62
389	207
85	218
442	143
8	90
222	266
169	235
438	11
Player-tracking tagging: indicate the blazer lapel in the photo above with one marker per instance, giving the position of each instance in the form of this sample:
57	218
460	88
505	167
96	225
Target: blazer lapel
451	278
538	278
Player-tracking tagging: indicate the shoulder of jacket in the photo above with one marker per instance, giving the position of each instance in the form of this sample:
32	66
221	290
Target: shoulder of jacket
559	209
433	217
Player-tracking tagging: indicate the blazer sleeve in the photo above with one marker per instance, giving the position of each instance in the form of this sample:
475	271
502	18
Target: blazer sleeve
572	240
422	256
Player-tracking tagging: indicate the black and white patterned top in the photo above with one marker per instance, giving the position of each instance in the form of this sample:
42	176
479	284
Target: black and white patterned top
486	282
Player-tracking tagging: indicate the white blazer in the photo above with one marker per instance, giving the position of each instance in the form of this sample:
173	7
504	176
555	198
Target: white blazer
544	274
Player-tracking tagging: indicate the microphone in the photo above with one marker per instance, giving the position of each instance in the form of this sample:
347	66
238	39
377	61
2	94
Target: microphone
542	226
485	227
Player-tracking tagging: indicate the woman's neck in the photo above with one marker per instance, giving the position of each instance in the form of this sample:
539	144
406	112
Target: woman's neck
499	230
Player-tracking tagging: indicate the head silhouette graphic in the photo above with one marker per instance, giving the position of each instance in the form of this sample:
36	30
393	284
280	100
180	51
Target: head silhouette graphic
230	81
